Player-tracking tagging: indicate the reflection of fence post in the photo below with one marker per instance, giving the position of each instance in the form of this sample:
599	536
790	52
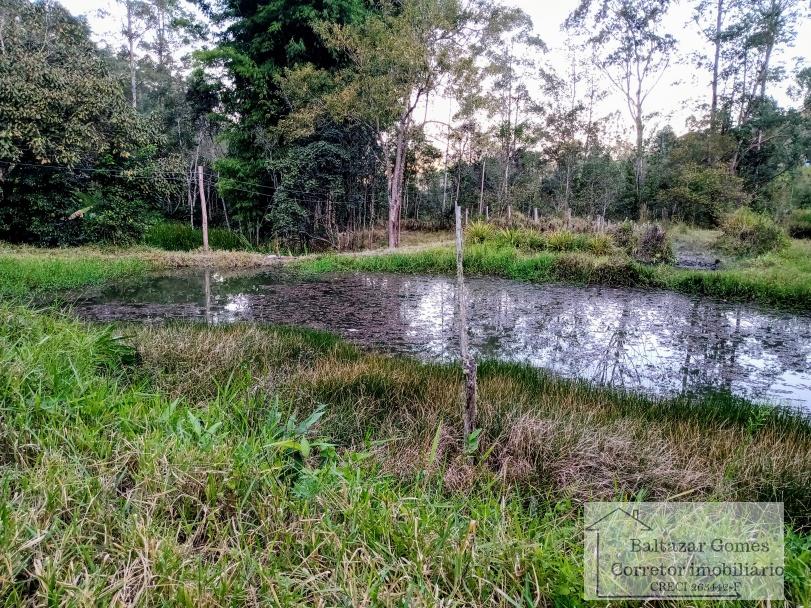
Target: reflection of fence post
203	210
207	279
468	362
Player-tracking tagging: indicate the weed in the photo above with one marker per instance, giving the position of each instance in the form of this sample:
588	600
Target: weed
745	232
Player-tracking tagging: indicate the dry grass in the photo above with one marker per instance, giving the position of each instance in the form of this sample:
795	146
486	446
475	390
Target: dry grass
552	435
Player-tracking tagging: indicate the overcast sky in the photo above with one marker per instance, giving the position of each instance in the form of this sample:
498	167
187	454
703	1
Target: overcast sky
675	97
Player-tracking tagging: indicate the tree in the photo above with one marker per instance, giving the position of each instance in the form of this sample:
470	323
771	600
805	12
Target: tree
635	55
271	54
398	56
68	139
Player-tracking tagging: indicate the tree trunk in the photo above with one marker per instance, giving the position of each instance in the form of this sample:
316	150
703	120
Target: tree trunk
481	191
468	362
203	209
131	40
396	181
639	161
719	18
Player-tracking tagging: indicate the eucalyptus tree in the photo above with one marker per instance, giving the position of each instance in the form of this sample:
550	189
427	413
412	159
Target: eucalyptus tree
634	53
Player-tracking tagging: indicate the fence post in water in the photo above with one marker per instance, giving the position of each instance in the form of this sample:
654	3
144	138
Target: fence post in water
468	362
203	209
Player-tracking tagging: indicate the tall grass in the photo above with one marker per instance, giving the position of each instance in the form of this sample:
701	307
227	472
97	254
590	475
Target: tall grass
745	232
193	466
26	272
172	236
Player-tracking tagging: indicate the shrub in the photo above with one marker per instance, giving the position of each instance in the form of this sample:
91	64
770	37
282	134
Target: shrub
532	240
562	240
652	245
624	237
174	236
745	232
799	224
600	244
479	232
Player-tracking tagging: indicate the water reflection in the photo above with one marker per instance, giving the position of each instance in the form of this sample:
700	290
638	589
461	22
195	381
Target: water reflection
657	341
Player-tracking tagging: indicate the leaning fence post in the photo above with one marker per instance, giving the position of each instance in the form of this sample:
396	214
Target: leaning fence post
468	362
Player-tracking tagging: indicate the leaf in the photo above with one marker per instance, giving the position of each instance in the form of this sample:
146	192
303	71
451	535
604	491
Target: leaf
435	444
195	424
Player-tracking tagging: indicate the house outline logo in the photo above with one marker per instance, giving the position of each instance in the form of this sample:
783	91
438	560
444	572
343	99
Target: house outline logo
634	514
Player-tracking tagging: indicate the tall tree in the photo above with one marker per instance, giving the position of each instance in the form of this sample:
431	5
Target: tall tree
634	54
400	54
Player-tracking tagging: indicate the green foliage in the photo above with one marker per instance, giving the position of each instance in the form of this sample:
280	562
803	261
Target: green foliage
250	464
69	140
600	244
745	232
799	223
174	236
701	195
562	240
479	232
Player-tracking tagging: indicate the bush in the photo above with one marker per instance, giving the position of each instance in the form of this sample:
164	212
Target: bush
600	244
745	232
652	245
799	224
624	237
480	232
562	240
173	236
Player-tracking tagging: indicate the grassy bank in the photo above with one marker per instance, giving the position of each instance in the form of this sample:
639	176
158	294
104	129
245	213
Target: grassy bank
195	466
780	279
30	271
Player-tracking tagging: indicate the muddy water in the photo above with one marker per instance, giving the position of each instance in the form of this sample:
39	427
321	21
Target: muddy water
659	342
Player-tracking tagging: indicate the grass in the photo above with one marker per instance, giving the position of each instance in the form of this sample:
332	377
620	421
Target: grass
192	466
174	236
781	279
30	271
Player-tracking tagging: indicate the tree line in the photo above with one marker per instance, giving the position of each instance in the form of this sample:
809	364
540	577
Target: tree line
310	118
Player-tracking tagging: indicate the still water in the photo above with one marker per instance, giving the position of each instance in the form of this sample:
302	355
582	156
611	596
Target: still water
655	341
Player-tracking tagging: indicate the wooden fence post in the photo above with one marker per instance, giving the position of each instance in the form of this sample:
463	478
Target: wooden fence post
468	362
203	209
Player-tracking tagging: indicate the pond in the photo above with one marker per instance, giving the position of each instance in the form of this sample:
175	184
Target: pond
655	341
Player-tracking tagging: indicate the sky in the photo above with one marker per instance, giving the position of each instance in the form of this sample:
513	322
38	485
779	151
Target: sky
673	100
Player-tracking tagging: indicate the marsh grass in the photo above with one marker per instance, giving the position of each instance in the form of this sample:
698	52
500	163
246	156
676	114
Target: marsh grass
193	466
